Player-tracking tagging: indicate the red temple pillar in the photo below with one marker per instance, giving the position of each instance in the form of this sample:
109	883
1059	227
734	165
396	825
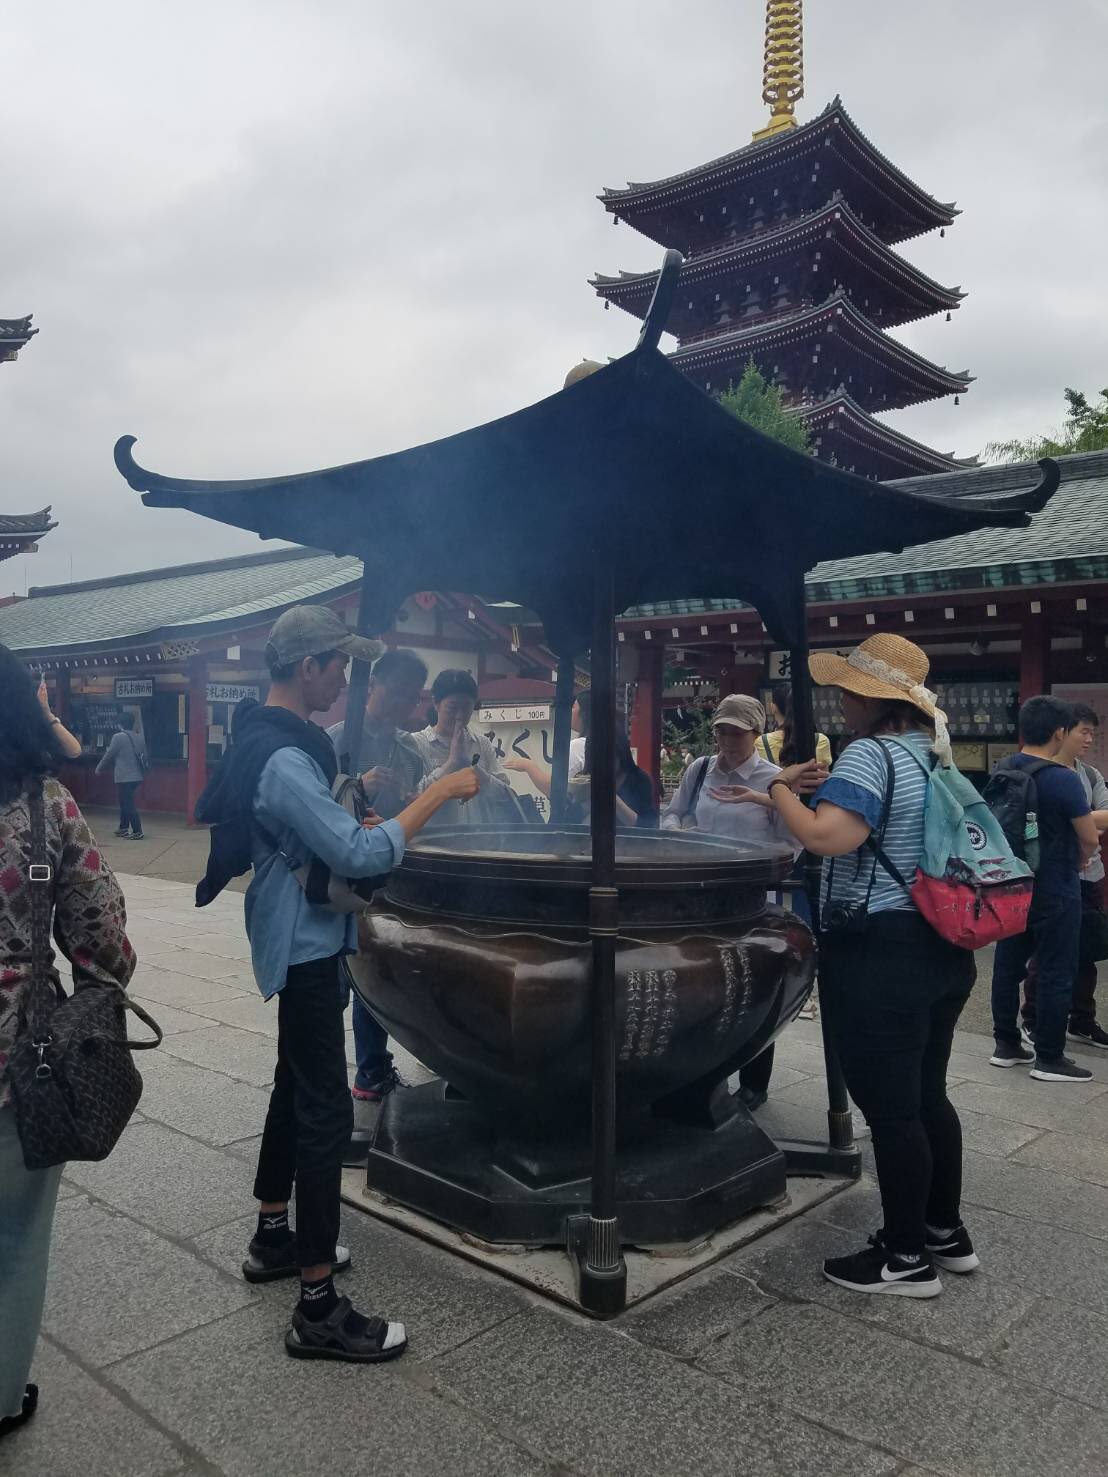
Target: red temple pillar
646	718
1034	657
197	733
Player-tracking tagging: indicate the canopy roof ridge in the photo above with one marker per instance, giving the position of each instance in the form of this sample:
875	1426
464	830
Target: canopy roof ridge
38	522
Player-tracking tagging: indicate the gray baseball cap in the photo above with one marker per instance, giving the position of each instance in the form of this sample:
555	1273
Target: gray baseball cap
740	711
310	630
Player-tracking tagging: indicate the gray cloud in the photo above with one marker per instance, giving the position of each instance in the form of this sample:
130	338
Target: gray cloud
271	237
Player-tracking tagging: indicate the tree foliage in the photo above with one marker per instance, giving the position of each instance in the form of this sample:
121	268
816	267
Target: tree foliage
1085	429
758	401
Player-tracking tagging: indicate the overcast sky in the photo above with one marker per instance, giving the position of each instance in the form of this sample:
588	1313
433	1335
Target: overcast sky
268	237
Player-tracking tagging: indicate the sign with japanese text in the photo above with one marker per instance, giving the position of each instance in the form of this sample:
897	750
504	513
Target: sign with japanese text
133	687
231	692
535	713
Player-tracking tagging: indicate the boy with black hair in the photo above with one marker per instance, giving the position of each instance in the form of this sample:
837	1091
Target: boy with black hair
1067	840
1083	1025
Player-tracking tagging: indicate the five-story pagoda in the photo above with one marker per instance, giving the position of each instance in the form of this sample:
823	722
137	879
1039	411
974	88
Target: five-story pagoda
790	262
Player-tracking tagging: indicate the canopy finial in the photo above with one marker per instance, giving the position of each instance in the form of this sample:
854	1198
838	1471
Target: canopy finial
783	68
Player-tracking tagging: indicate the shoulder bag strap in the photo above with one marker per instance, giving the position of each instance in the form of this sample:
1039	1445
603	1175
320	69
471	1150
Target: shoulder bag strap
699	785
45	991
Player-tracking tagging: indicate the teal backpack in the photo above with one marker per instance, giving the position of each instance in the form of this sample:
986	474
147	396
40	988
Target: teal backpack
970	886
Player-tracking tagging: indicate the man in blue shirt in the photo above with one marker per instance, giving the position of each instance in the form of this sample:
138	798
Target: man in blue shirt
295	948
1068	837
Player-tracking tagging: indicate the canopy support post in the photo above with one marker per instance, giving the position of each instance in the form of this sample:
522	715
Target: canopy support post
358	691
563	709
594	1240
840	1126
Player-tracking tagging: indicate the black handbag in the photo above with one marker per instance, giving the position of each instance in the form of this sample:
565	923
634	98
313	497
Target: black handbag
73	1080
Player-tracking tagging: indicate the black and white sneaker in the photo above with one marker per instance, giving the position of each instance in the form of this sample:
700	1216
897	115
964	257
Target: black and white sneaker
1009	1055
953	1253
1027	1035
879	1270
1059	1069
1094	1035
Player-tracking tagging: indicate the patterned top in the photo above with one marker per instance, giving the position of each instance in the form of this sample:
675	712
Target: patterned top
90	919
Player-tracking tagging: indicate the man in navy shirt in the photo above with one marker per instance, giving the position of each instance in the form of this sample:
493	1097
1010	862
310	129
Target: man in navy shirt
1067	839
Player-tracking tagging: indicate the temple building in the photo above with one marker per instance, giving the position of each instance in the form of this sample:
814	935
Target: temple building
19	532
791	262
15	333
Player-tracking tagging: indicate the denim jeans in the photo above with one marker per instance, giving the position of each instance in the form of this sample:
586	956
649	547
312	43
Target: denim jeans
892	997
129	819
1053	936
371	1046
310	1119
27	1200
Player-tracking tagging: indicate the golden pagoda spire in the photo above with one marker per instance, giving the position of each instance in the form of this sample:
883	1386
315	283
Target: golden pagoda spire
783	69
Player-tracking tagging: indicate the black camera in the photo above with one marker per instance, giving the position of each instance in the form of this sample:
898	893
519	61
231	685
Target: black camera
846	916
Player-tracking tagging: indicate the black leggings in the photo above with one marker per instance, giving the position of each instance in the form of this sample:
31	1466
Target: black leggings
893	996
310	1118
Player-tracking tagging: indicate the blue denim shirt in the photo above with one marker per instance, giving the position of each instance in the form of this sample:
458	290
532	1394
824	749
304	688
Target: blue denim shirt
293	802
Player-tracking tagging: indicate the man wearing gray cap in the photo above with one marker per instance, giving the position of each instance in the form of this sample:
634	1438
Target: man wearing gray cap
282	767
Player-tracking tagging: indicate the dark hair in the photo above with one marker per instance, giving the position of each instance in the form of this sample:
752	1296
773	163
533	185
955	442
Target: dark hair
452	682
584	706
287	671
782	695
898	717
1082	713
625	759
398	664
127	722
1042	717
28	749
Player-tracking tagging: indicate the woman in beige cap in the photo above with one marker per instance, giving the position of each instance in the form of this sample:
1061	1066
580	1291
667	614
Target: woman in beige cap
893	989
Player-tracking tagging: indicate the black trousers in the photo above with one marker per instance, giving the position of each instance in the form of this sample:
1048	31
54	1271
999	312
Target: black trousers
310	1119
1083	1009
129	819
893	996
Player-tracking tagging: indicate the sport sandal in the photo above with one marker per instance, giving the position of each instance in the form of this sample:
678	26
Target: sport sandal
272	1263
357	1340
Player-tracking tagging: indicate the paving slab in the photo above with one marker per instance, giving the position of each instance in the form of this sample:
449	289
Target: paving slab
246	1012
205	1105
1070	1154
116	1287
1077	1108
82	1427
244	1055
171	1019
926	1405
170	1182
231	1391
970	1318
184	991
603	1405
1038	1194
688	1318
443	1302
203	966
1063	1348
999	1137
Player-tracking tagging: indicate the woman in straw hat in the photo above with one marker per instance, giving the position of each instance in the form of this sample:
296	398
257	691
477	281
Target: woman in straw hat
892	987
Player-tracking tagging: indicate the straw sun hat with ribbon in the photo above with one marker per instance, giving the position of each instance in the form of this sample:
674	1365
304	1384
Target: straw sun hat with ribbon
890	667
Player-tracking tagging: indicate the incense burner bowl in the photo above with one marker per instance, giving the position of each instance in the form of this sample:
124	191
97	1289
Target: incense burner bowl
477	958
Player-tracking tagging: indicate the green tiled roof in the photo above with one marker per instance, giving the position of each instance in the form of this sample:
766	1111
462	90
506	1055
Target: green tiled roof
163	604
1067	541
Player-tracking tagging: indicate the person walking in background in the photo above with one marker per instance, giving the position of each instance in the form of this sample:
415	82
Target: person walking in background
1068	840
126	754
90	928
449	744
281	771
392	770
891	987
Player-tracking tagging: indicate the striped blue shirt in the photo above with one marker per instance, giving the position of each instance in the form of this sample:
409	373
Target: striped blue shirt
857	782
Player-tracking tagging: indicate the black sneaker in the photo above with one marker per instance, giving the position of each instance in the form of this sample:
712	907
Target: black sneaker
378	1091
271	1263
1008	1054
879	1270
953	1253
1027	1034
120	833
1094	1035
1059	1069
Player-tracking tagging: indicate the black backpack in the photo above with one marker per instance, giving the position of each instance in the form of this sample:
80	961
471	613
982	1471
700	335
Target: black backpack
1013	797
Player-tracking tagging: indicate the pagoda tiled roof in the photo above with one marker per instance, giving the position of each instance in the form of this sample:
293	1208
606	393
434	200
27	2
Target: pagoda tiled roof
804	325
1067	545
26	525
867	430
632	290
770	153
14	333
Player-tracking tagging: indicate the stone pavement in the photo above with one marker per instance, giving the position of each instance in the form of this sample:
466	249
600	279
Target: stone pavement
157	1359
